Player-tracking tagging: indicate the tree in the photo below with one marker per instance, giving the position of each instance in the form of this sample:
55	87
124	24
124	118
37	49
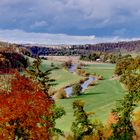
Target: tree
113	59
123	128
52	64
25	111
42	77
44	82
76	89
67	64
122	65
4	62
81	126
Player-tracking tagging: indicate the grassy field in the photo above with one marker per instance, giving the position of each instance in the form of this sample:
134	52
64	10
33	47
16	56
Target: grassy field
104	69
46	64
62	76
99	99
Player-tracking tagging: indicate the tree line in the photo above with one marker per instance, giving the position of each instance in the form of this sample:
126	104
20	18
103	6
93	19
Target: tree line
74	50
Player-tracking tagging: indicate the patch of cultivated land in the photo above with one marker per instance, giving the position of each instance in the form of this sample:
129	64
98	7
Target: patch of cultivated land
99	99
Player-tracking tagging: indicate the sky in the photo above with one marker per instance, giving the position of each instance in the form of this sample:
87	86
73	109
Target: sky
69	21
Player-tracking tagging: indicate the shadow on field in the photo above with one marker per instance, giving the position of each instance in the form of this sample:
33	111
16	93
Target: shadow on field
87	94
90	93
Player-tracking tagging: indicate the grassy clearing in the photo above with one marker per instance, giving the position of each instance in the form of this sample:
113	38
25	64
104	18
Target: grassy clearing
104	69
46	64
99	99
63	78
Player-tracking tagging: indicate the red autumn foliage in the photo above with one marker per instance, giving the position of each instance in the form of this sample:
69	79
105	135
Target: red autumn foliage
24	111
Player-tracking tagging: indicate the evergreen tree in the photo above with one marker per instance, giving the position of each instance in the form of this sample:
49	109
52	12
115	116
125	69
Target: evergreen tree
44	82
42	77
81	126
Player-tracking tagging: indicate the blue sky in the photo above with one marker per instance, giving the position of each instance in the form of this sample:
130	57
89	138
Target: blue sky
69	21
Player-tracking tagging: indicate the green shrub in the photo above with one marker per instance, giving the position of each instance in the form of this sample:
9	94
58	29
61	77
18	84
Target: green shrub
76	89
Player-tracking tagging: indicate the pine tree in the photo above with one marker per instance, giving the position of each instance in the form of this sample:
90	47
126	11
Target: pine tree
81	126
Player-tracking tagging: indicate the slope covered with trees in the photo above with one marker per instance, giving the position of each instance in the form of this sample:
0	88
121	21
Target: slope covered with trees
11	57
117	48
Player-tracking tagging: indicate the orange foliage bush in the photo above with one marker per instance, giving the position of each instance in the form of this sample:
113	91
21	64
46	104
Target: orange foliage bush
92	83
136	123
24	111
83	80
60	94
100	77
82	72
111	120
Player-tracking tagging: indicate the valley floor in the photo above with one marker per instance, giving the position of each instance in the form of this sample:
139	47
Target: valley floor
100	98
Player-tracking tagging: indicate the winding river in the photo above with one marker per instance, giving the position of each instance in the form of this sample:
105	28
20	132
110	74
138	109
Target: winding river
84	86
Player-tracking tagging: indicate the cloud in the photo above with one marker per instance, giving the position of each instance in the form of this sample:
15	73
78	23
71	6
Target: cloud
39	24
75	17
120	32
19	36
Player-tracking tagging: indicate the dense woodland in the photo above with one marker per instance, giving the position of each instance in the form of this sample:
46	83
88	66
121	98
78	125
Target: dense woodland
11	57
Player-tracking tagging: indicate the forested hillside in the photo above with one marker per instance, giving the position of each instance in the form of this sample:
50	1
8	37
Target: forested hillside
11	57
119	47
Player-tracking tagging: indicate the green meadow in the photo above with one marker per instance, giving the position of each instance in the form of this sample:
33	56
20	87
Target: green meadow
63	78
99	99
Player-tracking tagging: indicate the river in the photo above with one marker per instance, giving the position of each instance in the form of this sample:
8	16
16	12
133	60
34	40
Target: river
84	86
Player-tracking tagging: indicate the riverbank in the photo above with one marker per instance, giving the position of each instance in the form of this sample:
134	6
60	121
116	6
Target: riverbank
84	85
